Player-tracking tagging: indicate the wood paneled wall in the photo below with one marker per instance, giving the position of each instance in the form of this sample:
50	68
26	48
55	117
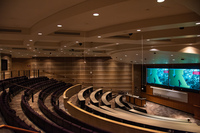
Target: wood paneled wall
97	71
193	99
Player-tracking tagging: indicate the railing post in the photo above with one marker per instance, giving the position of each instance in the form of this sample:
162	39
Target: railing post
3	75
11	74
29	73
19	73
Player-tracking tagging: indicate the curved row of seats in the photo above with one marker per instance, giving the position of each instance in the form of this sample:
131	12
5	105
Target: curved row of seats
84	126
37	119
7	82
9	114
54	117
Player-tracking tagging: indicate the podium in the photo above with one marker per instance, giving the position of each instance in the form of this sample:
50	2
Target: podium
197	111
136	100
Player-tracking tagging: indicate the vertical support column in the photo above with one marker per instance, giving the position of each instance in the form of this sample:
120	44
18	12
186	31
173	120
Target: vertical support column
38	73
11	74
29	73
132	79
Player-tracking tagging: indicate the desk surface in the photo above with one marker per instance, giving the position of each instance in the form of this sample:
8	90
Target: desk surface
104	99
134	96
118	102
80	93
92	95
181	126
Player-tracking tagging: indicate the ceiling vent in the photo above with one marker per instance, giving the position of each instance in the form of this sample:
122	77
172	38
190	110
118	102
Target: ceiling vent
67	33
99	51
164	40
49	49
120	37
10	30
19	48
73	50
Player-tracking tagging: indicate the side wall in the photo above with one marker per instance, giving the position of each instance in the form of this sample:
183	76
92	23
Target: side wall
97	71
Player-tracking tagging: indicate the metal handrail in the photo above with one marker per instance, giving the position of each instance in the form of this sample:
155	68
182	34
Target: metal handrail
17	128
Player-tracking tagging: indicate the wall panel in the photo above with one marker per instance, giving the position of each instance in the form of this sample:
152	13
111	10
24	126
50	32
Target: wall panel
99	72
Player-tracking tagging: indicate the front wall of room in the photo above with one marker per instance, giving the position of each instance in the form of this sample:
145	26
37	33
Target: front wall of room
193	104
99	71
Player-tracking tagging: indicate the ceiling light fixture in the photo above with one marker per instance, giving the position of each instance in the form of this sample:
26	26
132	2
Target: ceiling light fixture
99	36
59	25
39	33
198	23
30	40
138	30
65	46
160	1
96	14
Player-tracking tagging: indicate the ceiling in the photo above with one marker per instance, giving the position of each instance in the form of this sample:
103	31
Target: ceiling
168	32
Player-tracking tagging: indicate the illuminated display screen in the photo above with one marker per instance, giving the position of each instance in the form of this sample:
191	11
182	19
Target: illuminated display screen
174	77
157	76
184	78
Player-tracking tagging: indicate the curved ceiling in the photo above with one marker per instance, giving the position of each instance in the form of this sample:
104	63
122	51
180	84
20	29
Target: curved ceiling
29	28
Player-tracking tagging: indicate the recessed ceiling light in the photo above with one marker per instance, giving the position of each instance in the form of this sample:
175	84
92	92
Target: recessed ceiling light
28	44
125	55
96	47
120	58
198	23
172	55
153	49
136	54
39	33
198	35
117	43
95	14
30	40
65	46
99	36
148	39
59	25
138	30
160	1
